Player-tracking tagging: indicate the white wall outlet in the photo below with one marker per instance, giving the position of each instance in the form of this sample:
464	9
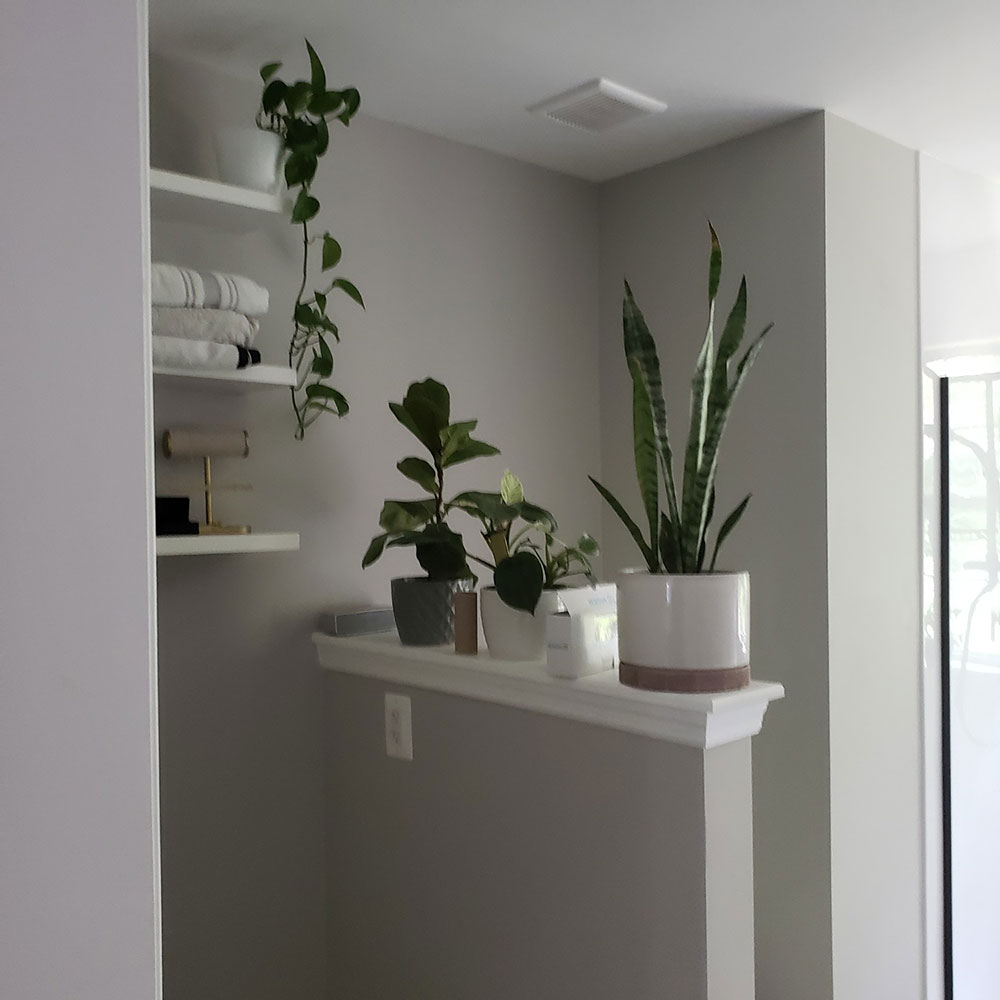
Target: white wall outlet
398	727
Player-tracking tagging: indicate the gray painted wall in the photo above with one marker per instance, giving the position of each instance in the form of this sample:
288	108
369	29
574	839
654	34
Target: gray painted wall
765	195
78	861
519	855
475	269
874	564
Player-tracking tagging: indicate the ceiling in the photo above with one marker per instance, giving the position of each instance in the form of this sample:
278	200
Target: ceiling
921	72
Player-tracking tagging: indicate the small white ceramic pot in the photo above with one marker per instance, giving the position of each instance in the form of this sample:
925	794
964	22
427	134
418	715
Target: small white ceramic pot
249	157
512	634
688	633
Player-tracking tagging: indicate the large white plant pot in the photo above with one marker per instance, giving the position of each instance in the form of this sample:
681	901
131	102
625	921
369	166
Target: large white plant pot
512	634
249	157
687	633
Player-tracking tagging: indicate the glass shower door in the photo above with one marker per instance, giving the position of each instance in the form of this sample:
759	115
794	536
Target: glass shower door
972	730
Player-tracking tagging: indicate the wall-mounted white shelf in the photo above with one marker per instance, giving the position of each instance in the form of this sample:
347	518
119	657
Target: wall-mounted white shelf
182	198
250	379
214	545
695	720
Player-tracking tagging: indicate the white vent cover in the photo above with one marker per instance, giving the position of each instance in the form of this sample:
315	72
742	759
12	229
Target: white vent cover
598	105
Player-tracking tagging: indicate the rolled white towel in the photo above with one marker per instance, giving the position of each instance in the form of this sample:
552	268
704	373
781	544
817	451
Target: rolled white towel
217	325
176	352
185	287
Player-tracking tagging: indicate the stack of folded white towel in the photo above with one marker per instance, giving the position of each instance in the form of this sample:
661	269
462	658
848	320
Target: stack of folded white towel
204	319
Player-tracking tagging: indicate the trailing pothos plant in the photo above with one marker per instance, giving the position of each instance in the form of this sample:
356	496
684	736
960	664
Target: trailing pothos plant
300	113
677	536
426	413
529	560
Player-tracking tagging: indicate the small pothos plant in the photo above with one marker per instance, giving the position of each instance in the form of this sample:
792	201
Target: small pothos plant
300	114
677	536
426	413
528	559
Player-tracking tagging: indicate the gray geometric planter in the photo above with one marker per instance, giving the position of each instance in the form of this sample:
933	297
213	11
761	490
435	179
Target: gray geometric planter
425	615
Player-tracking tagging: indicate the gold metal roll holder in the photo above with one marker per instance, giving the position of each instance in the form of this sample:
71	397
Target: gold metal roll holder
211	526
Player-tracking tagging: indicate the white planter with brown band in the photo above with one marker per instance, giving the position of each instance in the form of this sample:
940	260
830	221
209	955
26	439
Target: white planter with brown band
685	633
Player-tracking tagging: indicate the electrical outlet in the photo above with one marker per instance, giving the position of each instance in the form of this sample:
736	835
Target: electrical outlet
398	727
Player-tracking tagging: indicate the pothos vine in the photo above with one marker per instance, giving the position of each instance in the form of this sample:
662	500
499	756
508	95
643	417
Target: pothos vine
300	113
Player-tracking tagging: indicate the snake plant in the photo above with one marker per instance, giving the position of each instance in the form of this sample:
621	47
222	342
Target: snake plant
677	536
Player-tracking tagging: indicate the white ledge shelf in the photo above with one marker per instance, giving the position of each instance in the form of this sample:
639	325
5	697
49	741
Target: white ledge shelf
217	545
181	198
695	720
253	378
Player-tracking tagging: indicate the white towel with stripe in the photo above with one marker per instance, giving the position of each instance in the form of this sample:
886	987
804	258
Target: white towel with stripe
185	287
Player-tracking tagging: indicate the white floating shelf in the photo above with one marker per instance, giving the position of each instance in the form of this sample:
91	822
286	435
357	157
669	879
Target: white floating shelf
213	545
182	198
696	720
250	379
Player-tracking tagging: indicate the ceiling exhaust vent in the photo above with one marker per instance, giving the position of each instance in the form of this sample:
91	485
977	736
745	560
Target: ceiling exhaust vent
598	105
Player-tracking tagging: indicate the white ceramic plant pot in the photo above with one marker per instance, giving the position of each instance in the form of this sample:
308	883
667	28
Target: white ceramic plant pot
249	157
687	633
512	634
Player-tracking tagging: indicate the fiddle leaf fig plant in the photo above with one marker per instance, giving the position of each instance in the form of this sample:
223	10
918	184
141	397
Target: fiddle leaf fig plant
677	536
426	413
524	567
300	114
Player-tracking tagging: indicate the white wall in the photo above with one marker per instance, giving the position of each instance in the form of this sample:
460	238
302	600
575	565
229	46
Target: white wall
78	862
764	194
475	269
873	564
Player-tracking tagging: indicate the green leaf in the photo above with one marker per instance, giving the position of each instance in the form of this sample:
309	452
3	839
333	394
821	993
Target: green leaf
633	528
316	67
320	301
305	207
407	421
375	549
306	316
719	420
301	135
588	545
454	436
272	96
322	137
644	439
727	527
421	472
405	515
326	103
297	97
268	70
442	553
325	392
348	288
352	100
729	343
714	264
511	488
519	580
428	404
670	552
640	346
692	533
488	507
300	168
536	515
322	364
331	252
469	450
